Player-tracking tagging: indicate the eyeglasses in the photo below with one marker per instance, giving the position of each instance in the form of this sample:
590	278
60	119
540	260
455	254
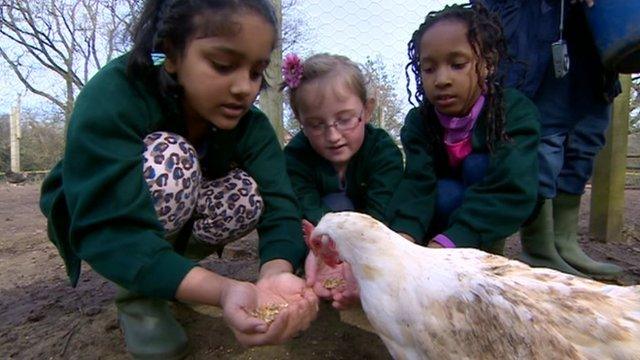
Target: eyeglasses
341	125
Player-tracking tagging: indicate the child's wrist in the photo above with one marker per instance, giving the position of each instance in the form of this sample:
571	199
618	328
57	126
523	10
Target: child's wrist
444	241
275	267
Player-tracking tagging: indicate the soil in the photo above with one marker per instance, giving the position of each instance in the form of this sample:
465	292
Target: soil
42	317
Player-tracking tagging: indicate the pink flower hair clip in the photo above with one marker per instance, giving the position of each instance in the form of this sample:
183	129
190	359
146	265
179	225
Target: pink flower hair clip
292	70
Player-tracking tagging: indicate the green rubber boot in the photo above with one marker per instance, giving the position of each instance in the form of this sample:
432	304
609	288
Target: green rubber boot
150	330
566	208
538	248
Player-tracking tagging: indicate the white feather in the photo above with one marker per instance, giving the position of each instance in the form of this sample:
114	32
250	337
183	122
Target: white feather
467	304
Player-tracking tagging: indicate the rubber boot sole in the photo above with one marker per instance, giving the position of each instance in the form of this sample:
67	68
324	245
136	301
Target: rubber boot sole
566	211
556	264
178	356
595	269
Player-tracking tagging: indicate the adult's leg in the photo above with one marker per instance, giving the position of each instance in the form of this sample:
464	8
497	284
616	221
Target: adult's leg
583	144
556	120
537	239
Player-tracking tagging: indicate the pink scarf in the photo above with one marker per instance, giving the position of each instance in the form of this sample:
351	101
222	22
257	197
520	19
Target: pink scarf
458	131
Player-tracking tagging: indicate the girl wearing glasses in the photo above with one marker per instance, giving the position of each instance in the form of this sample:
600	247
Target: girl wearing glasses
470	145
338	161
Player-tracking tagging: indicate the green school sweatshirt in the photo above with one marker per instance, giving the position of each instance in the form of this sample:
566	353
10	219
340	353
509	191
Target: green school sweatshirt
98	205
493	208
370	180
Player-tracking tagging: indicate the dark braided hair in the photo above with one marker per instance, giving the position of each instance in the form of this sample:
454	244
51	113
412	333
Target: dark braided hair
167	26
489	45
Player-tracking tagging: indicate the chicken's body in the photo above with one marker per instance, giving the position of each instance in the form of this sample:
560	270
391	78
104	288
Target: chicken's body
466	304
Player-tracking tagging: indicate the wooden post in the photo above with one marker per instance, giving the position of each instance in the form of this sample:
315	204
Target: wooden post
14	133
607	192
271	99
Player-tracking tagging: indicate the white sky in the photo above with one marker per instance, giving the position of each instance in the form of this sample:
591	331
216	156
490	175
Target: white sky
357	29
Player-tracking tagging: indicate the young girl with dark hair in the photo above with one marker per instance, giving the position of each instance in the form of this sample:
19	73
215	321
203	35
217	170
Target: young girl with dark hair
165	149
470	146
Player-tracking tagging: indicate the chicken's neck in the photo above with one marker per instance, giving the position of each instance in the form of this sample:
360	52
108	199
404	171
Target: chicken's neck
384	259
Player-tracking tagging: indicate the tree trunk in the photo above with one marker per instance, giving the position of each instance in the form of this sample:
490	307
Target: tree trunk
271	99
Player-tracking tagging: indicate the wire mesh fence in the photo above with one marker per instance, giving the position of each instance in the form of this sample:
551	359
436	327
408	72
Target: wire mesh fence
363	28
372	33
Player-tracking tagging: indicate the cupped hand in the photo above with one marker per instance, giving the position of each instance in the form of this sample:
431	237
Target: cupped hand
238	300
297	303
337	284
242	301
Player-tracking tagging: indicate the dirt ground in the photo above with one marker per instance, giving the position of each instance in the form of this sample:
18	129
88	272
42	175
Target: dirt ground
42	317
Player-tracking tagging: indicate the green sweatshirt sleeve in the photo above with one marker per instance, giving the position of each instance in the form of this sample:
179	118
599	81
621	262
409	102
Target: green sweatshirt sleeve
280	227
413	203
384	166
113	224
302	174
495	207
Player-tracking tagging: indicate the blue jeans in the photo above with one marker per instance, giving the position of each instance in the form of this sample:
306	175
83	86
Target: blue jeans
338	201
450	191
573	123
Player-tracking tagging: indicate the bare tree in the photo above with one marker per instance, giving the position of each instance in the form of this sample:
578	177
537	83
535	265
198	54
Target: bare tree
55	46
5	152
294	26
42	142
389	111
292	38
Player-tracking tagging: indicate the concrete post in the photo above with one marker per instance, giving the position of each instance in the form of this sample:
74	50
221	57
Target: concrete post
14	133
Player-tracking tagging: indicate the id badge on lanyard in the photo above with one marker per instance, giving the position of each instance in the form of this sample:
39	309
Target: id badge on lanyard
559	50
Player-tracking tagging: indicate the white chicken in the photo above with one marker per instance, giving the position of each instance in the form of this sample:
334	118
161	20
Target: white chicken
467	304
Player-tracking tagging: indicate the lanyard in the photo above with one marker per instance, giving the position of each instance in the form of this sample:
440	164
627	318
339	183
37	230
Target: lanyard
561	18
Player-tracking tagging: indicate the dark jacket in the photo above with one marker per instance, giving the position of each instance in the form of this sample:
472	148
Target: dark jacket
493	208
531	26
372	175
98	205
